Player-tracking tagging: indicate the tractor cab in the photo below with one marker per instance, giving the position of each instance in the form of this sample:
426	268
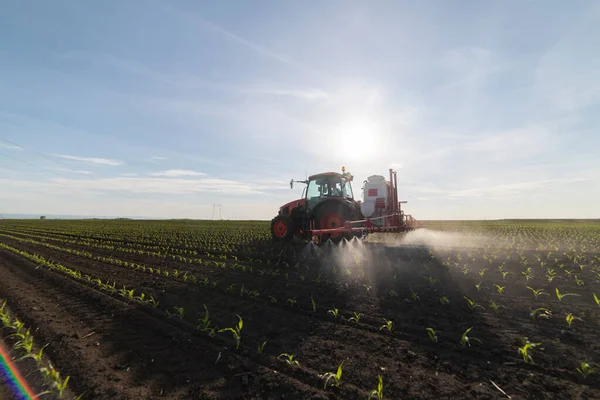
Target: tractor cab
323	186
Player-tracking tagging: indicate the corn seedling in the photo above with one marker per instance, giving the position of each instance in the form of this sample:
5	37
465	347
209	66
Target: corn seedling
444	300
528	274
537	292
500	289
205	322
496	307
291	302
389	325
261	347
236	331
570	318
377	393
540	313
432	335
587	369
472	304
596	299
337	377
153	302
335	312
579	281
313	303
526	350
179	313
355	318
466	340
289	359
560	296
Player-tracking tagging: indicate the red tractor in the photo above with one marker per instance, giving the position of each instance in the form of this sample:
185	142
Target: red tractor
328	211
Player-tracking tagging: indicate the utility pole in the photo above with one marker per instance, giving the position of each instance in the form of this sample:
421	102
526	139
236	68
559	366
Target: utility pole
215	206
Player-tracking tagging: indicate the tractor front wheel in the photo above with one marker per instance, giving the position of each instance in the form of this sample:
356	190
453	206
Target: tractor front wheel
282	228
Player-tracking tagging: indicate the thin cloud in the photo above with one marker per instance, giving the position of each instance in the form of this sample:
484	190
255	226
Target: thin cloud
75	171
173	173
91	160
10	147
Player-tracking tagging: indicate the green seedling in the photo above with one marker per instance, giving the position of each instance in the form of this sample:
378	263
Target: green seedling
236	331
313	303
537	292
355	318
540	313
496	307
389	325
526	350
205	321
587	369
466	340
289	359
500	289
596	299
444	300
560	296
179	313
261	347
335	312
432	335
472	304
377	393
337	377
570	318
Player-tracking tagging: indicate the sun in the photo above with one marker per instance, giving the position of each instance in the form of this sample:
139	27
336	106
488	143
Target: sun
358	139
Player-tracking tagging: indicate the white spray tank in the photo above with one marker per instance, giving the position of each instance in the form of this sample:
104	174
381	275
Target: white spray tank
375	197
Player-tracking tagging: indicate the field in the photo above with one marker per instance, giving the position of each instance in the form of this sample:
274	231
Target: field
213	310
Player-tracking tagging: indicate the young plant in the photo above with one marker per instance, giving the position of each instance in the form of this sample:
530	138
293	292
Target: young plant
179	313
205	322
432	335
540	313
313	302
355	318
596	299
496	307
537	292
389	325
236	331
472	304
526	350
335	312
560	296
528	274
570	318
261	347
500	289
466	340
337	377
377	393
444	300
289	359
587	369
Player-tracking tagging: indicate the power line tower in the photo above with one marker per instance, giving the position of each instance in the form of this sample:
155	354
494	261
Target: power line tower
215	206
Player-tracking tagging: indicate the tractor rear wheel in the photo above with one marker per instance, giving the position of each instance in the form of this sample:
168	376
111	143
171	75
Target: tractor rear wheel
282	228
329	216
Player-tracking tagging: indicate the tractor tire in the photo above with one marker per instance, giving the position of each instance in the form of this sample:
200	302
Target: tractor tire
282	228
332	215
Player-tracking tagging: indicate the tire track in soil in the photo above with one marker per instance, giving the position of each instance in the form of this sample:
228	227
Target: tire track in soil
130	355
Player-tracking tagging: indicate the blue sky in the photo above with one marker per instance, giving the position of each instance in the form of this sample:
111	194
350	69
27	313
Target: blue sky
163	108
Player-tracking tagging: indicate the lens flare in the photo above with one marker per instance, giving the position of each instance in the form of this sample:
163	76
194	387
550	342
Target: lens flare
21	388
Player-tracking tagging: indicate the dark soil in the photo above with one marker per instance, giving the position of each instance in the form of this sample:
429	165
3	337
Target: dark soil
137	352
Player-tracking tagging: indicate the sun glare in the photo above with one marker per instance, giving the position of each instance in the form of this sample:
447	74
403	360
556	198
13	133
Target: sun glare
359	139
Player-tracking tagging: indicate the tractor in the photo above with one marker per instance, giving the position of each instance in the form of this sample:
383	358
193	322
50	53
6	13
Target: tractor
328	211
